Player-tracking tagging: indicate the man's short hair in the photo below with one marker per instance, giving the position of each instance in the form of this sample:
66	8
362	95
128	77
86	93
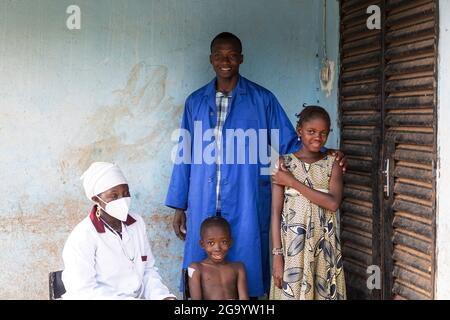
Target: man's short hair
215	221
226	36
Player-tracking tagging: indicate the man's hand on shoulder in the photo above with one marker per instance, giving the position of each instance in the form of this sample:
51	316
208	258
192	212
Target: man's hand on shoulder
340	157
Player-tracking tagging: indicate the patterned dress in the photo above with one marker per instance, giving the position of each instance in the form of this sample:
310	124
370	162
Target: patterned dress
313	268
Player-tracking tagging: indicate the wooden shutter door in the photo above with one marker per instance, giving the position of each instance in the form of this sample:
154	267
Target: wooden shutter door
360	117
388	122
410	146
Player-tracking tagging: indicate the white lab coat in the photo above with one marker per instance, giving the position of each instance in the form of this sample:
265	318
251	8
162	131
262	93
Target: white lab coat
100	265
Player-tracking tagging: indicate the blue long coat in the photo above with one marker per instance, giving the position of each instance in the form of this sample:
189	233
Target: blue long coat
245	193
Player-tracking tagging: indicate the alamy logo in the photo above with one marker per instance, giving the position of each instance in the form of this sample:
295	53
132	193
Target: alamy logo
238	146
374	278
374	21
73	22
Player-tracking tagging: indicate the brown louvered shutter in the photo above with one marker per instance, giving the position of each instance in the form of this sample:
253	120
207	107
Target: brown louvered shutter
410	144
388	112
360	113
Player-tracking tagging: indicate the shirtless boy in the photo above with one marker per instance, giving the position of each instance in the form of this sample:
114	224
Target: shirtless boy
215	278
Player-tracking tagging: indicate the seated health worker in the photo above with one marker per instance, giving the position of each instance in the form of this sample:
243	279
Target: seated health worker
108	255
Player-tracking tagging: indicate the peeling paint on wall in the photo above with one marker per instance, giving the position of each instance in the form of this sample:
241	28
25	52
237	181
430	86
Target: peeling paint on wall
328	86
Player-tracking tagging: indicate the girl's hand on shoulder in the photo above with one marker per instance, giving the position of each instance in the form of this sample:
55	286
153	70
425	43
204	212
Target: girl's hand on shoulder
283	177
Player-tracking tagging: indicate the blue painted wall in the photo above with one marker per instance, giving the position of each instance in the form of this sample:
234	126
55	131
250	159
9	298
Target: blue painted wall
114	91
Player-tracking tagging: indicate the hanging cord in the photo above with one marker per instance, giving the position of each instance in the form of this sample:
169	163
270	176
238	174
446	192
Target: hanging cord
325	71
324	30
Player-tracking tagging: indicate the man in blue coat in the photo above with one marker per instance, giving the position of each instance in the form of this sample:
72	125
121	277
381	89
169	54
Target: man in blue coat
233	121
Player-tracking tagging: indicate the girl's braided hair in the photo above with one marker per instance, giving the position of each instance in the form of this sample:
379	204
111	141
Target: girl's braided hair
312	112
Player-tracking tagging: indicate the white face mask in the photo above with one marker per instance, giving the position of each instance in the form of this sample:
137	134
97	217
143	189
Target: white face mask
118	208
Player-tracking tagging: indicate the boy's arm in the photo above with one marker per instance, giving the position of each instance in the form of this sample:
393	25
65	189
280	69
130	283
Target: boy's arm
242	283
195	285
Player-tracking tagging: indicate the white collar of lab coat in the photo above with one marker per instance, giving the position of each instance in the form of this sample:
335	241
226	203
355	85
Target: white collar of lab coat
100	226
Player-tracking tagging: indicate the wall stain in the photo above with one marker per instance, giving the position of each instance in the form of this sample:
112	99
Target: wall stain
141	105
64	214
142	100
36	242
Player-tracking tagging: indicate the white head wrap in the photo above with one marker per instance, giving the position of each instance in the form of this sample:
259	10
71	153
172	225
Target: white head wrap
101	176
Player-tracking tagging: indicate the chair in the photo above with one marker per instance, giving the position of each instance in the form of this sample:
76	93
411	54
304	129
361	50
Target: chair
56	286
186	293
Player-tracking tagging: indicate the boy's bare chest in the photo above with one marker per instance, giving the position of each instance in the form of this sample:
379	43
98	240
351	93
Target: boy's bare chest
220	282
222	274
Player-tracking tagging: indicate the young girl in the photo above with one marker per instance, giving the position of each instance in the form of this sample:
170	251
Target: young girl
306	192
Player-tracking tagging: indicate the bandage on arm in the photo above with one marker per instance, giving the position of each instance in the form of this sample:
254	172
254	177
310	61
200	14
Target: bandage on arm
195	286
